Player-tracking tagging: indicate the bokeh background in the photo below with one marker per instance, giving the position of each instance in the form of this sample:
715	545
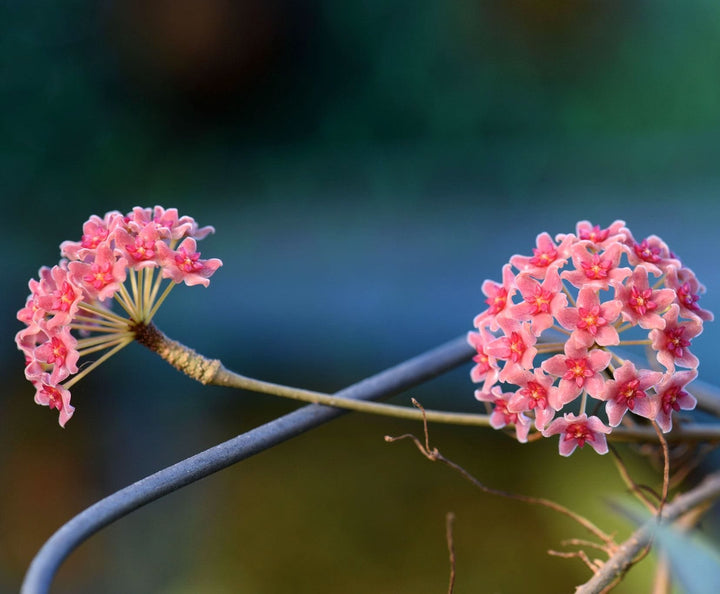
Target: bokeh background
366	166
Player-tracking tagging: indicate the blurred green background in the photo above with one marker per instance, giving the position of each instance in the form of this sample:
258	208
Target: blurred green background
366	166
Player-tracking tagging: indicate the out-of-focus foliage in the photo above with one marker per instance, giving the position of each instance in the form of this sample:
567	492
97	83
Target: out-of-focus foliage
160	98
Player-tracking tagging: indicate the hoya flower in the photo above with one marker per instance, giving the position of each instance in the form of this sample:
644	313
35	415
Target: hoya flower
576	431
628	391
499	298
598	237
54	396
95	232
672	396
545	255
486	368
58	298
556	331
140	249
121	260
596	270
184	265
166	222
687	290
101	278
653	254
534	394
59	350
578	369
641	304
591	322
542	301
27	340
673	341
502	416
516	347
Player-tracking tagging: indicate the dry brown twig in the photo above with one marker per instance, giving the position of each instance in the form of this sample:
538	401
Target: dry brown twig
621	557
607	545
449	520
594	565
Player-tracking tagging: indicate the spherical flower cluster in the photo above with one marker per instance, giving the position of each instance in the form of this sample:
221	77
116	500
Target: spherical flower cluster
547	340
68	312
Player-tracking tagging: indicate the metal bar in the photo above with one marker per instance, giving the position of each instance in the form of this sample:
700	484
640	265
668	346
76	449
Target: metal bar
413	372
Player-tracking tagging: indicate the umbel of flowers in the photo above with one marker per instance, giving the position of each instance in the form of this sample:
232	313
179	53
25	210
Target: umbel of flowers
120	261
553	344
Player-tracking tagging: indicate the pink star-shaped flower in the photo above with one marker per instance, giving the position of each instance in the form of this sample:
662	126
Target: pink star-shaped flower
33	310
576	431
184	263
486	367
672	342
516	347
535	391
578	370
102	277
499	298
60	295
641	304
502	416
166	223
601	238
627	391
591	322
687	290
60	351
653	254
596	270
671	395
139	249
96	232
542	302
54	397
27	341
546	255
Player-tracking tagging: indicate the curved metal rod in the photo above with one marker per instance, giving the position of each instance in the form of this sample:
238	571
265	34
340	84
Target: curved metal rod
413	372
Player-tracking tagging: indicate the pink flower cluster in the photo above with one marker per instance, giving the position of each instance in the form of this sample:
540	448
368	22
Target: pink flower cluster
67	314
548	337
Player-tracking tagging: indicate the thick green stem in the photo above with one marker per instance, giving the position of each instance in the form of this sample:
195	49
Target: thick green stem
212	372
178	355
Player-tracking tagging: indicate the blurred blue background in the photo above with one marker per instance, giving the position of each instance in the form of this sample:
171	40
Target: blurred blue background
366	166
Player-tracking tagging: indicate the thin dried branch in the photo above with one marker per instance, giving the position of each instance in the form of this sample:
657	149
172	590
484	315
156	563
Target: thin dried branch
637	490
696	454
626	554
449	520
661	581
580	554
666	467
434	455
580	542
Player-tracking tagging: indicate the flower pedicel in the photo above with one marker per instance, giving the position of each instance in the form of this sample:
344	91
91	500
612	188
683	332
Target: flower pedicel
68	313
547	337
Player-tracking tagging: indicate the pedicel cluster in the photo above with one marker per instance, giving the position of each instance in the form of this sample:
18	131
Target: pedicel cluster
120	260
559	326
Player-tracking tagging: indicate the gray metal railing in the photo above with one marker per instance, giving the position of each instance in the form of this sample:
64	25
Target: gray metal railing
394	380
